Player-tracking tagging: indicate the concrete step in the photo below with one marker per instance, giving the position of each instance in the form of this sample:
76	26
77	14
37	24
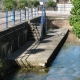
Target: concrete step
32	29
33	33
36	34
33	26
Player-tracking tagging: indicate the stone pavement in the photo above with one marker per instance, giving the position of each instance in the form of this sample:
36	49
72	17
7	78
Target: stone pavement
39	53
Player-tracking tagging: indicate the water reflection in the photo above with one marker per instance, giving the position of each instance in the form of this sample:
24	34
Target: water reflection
24	74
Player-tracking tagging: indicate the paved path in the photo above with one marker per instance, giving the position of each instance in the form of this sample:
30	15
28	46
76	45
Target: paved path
39	53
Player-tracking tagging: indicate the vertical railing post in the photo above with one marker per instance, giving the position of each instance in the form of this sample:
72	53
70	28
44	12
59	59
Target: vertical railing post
44	14
38	11
6	19
35	11
14	16
46	20
41	25
28	13
25	14
20	16
31	12
41	29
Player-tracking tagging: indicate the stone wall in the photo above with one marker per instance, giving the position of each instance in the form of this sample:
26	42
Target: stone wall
15	37
12	39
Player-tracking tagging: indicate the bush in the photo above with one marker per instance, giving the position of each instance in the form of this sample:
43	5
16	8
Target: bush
73	11
51	3
9	4
76	29
30	4
76	4
75	17
22	4
35	3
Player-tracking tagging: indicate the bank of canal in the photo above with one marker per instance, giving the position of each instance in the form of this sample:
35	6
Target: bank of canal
64	67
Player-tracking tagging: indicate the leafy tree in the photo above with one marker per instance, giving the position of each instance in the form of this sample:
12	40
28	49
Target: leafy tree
22	4
35	3
30	3
9	4
75	17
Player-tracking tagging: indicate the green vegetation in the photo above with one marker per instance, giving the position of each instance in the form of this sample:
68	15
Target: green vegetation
30	4
9	4
51	3
75	17
22	4
35	3
19	4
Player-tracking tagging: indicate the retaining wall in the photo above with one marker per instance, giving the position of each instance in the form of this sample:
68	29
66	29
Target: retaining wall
11	39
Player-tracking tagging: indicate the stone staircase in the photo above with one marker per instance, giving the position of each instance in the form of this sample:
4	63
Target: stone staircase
34	31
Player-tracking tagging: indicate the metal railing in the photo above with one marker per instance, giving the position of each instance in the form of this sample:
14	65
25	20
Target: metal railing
43	21
11	18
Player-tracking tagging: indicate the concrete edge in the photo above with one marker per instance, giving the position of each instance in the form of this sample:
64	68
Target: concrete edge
56	51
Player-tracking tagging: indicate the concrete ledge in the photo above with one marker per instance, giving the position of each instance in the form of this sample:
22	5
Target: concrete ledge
40	53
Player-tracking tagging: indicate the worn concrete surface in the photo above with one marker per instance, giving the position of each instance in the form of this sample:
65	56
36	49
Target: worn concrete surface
38	53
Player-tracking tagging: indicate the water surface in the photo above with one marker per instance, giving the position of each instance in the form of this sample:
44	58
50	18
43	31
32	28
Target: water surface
66	66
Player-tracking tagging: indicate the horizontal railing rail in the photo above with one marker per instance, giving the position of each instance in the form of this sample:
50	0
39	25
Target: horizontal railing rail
11	18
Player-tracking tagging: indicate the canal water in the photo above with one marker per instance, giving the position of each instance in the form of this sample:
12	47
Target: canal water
66	66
